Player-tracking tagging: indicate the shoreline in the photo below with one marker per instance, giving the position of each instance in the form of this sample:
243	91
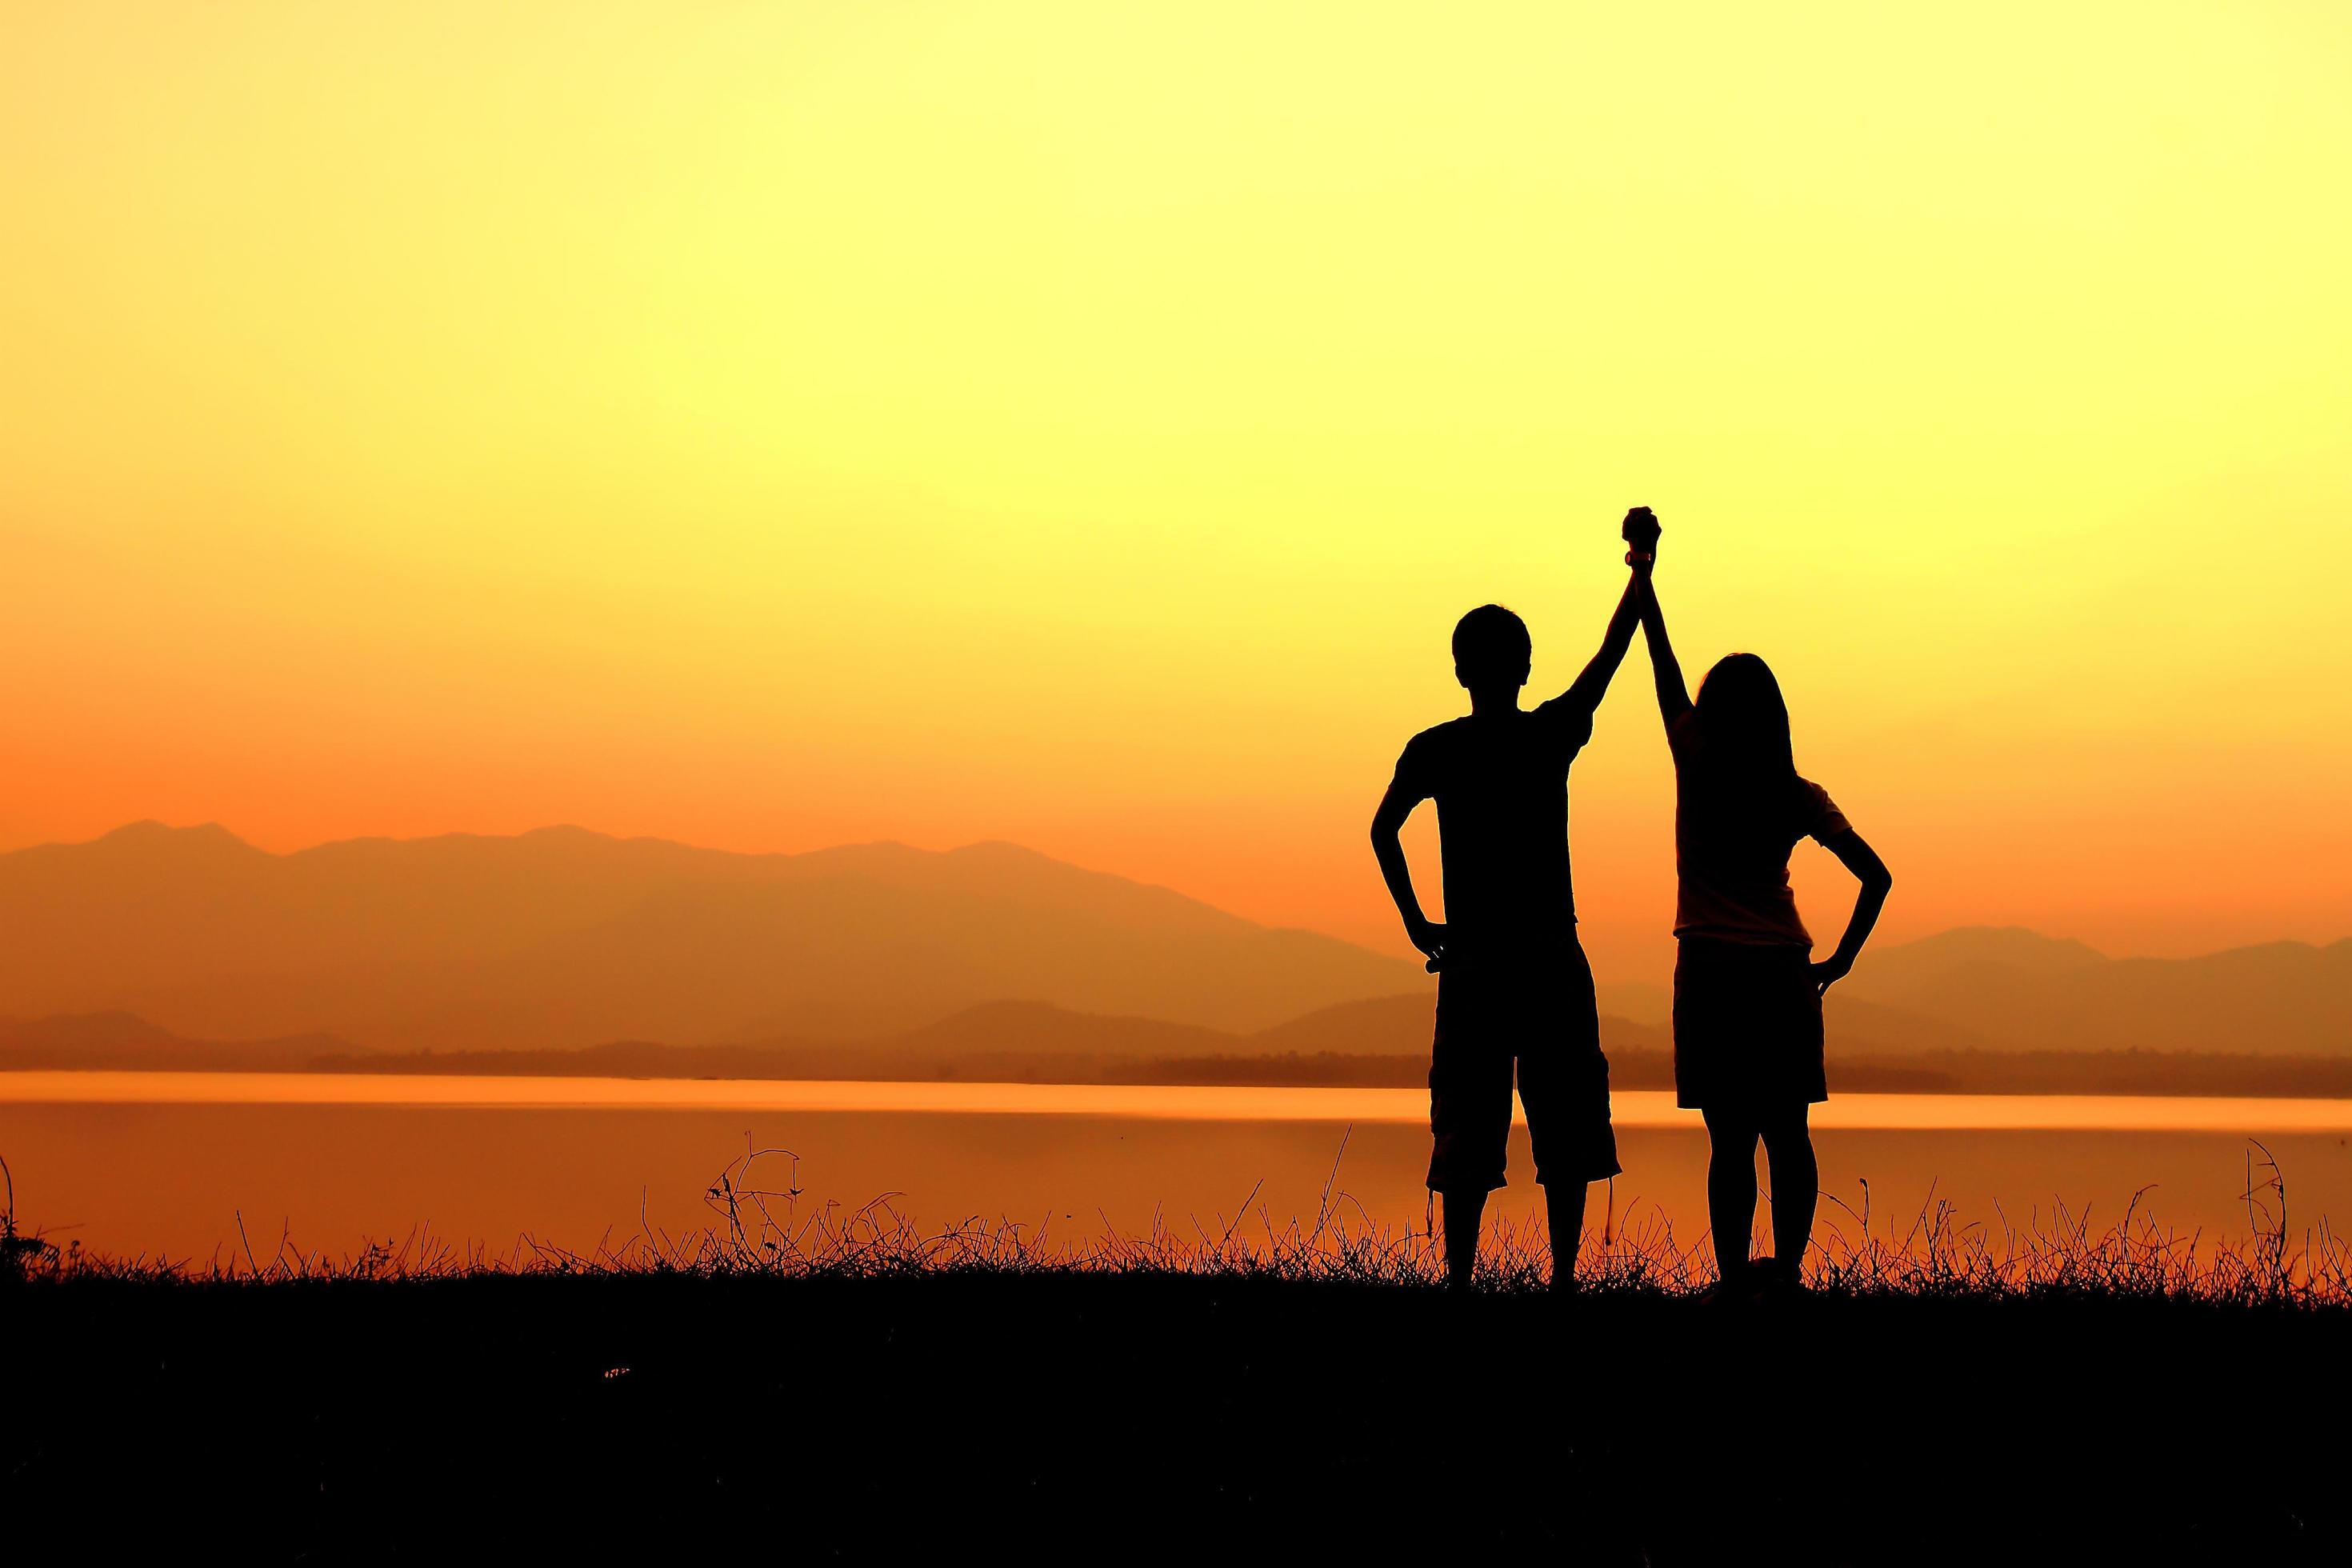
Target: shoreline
2224	1114
1976	1074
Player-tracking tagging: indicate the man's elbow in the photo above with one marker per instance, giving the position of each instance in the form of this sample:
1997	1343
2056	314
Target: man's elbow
1880	880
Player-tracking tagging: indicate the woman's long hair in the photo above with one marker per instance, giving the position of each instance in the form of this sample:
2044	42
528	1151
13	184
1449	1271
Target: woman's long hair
1748	780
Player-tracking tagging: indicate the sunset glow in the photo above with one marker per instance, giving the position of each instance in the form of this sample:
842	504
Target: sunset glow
776	426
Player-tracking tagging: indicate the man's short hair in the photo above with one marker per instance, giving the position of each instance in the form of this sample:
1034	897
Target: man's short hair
1491	646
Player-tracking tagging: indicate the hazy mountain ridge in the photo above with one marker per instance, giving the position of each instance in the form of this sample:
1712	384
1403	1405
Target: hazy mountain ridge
123	1040
2011	990
562	937
1986	988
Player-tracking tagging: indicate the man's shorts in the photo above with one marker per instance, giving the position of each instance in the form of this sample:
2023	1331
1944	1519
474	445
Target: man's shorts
1529	1007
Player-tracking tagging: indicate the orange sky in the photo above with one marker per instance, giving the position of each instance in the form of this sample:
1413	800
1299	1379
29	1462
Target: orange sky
772	426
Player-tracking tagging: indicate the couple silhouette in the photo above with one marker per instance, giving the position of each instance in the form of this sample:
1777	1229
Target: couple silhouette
1514	991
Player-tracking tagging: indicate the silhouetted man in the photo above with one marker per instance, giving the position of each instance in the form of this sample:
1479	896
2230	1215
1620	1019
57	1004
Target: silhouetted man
1513	985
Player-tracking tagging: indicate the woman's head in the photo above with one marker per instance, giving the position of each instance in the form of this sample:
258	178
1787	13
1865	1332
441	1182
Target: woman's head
1744	719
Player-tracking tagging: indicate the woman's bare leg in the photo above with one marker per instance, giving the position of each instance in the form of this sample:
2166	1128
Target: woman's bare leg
1796	1185
1731	1189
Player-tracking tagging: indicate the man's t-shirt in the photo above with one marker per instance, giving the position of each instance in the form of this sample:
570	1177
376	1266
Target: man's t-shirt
1500	781
1731	861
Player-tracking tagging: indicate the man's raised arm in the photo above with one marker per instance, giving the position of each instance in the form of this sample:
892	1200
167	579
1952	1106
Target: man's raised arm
1593	684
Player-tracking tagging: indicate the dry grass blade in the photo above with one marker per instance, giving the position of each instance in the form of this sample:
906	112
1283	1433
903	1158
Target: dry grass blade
762	1229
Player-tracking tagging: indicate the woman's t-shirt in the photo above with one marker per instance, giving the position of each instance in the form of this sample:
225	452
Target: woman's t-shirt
1732	859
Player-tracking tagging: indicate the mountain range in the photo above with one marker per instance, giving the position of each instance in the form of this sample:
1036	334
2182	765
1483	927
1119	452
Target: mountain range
565	938
124	1041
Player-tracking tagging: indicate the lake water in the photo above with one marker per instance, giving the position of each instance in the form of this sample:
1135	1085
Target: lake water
166	1163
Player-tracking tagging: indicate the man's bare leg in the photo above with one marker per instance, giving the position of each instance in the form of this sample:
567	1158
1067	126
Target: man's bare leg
1463	1213
1564	1204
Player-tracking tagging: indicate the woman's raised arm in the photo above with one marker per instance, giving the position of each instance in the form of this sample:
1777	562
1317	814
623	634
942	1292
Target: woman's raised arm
1674	698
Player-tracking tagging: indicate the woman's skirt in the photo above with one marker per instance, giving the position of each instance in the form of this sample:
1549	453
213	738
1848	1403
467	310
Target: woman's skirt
1748	1027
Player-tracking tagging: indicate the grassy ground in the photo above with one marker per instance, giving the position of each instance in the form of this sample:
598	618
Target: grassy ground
1065	1415
824	1385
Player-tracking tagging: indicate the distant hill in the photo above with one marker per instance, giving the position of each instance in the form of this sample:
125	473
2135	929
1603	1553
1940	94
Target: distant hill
2006	989
563	937
1966	951
1398	1024
120	1041
1637	1001
2011	990
1402	1025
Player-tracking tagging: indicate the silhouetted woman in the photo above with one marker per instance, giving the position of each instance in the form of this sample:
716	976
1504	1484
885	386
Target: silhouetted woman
1748	995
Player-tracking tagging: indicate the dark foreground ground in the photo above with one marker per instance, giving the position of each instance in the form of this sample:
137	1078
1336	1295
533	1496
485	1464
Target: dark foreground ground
1062	1417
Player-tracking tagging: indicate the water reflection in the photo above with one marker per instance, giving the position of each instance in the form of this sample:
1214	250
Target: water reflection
332	1161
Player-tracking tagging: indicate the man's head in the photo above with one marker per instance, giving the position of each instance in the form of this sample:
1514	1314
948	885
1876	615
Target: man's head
1491	650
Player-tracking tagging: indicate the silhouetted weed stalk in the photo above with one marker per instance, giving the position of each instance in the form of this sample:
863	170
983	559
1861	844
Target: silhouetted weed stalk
18	1253
765	1229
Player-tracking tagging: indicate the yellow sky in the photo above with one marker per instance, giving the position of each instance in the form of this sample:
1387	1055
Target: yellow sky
771	426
